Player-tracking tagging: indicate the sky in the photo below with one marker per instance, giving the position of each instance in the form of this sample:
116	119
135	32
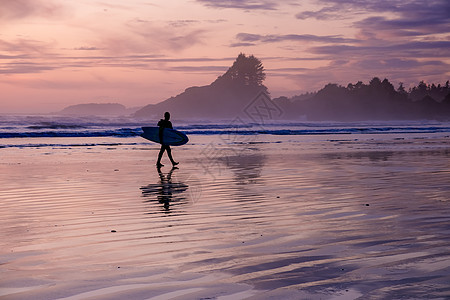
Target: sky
55	53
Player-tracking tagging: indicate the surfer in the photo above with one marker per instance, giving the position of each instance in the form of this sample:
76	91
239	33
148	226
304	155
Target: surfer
165	123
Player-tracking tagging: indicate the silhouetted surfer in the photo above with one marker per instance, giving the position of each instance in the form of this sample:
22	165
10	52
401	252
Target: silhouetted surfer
165	123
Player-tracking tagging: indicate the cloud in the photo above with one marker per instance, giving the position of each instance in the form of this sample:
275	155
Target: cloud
397	39
397	63
24	68
182	23
24	46
28	56
236	45
19	9
139	42
393	6
116	6
141	36
411	19
287	70
84	48
187	59
414	48
216	21
241	4
340	8
326	13
409	26
274	38
199	69
294	59
25	56
137	36
394	18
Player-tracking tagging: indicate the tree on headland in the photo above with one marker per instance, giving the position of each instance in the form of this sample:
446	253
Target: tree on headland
401	89
246	70
438	92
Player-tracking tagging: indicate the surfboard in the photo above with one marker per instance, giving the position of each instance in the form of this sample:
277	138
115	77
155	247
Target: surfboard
171	137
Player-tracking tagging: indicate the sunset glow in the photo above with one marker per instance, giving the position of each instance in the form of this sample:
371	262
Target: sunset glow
57	53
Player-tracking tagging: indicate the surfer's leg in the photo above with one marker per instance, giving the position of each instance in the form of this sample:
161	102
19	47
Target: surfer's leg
169	153
160	154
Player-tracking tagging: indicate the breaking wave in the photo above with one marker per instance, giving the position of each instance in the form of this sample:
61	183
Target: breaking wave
48	127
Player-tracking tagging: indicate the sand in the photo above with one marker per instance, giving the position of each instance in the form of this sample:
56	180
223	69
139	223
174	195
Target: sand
267	217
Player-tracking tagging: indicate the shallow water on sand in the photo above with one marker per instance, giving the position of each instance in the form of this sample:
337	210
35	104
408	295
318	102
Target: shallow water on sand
321	217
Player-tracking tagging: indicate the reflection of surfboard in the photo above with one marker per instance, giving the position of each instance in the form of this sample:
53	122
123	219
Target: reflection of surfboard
170	136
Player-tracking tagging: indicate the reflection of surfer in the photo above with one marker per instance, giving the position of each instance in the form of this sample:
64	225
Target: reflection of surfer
166	191
165	194
164	123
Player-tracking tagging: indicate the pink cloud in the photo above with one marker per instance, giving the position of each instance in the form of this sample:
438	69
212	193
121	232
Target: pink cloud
19	9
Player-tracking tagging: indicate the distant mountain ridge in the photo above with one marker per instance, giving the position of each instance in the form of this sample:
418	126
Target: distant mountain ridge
98	109
229	95
377	100
224	98
218	100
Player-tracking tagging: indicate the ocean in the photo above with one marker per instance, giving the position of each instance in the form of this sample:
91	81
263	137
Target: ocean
41	126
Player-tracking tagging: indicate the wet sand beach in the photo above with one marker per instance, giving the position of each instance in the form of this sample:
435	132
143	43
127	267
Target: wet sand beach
265	217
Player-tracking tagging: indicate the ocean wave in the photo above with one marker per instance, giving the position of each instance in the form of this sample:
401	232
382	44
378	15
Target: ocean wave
218	130
121	132
55	126
67	146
